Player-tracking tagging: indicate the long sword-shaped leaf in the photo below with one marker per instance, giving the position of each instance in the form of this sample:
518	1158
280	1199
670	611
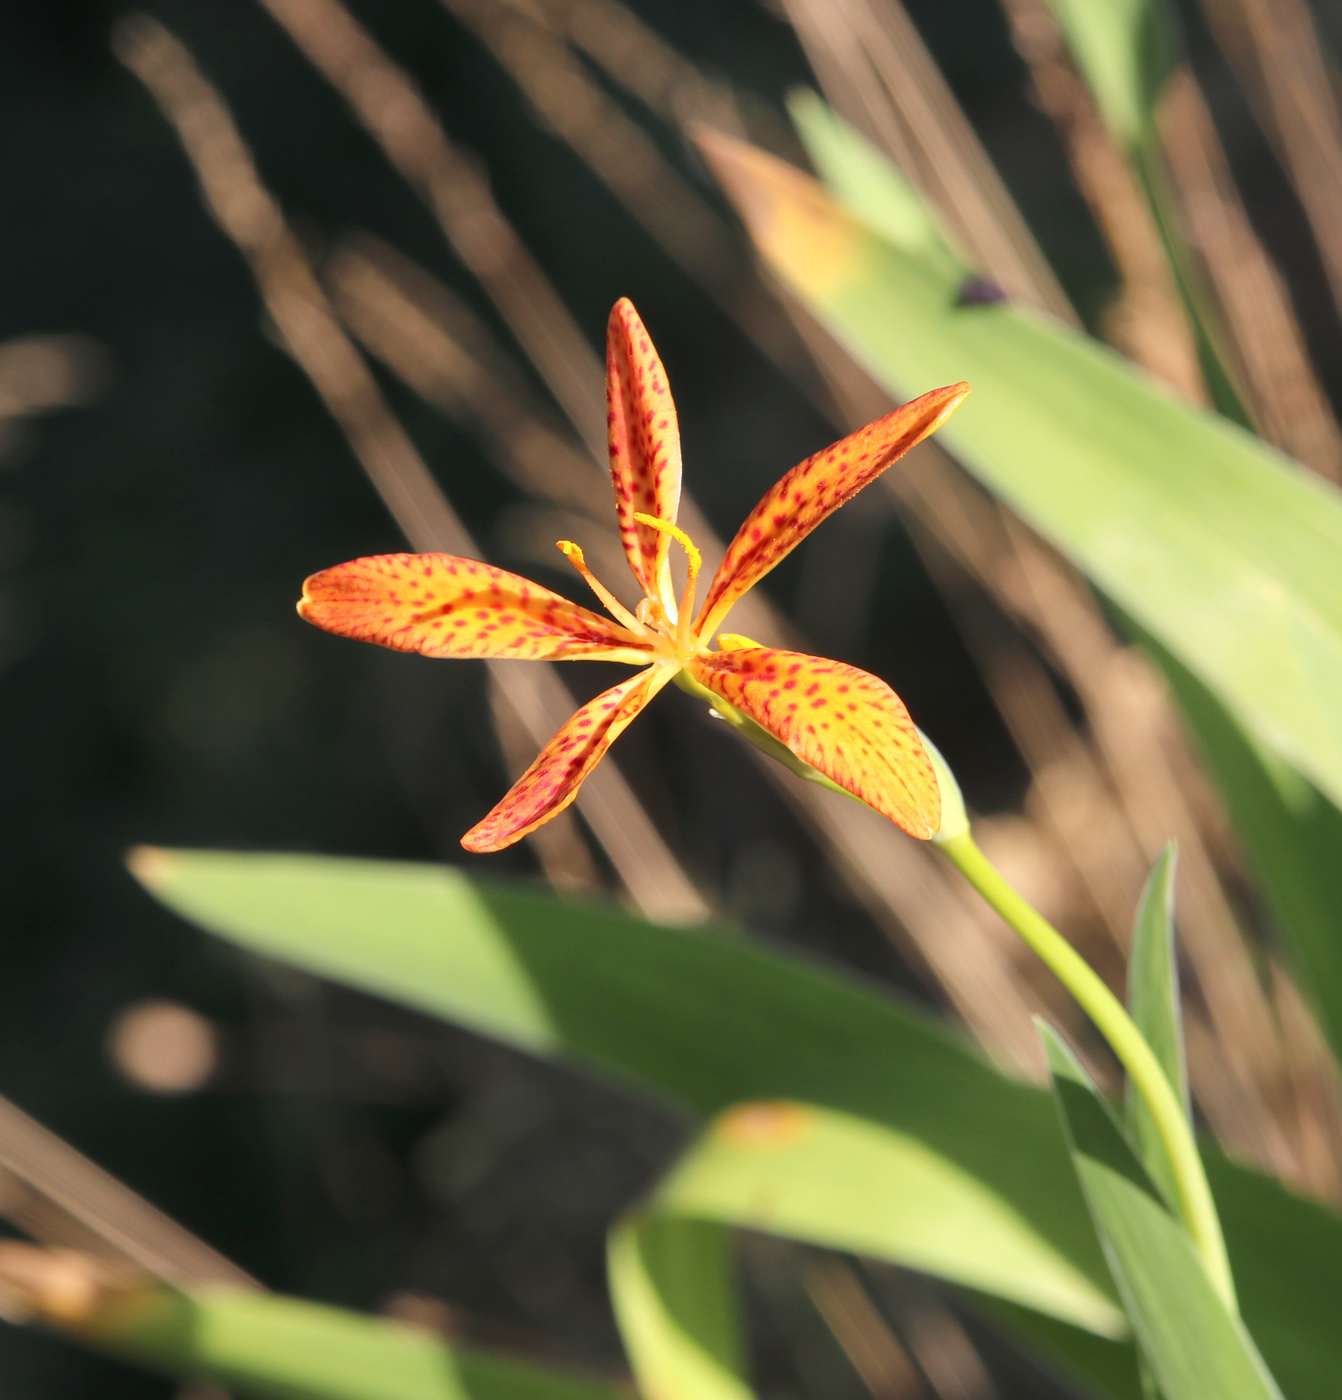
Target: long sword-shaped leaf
282	1349
1227	553
1196	1348
711	1021
1153	1000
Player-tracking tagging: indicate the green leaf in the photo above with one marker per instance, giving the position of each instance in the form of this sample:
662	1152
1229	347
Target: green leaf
1228	554
706	1019
1153	1000
1291	835
282	1349
847	1183
1126	50
674	1296
710	1021
1196	1348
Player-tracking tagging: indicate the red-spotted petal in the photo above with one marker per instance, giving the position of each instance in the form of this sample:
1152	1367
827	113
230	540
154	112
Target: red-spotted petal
553	780
813	490
848	724
444	606
644	448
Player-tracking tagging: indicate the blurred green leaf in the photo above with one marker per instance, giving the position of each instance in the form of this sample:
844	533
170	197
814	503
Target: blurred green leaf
283	1349
1153	1000
706	1019
847	1183
675	1301
711	1021
1227	553
1126	50
1196	1348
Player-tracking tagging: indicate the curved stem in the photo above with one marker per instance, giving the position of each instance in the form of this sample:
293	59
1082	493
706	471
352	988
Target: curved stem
1194	1194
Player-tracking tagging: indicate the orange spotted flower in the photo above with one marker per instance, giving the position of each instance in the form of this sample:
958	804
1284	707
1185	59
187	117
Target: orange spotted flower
827	720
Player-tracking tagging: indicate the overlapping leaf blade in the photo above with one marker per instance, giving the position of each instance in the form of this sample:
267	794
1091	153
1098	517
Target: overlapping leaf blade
712	1021
1153	1001
1196	1348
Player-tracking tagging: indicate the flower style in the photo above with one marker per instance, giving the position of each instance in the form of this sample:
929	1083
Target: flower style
828	720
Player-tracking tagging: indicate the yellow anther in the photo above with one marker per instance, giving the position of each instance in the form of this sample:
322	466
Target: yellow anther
655	522
617	609
733	641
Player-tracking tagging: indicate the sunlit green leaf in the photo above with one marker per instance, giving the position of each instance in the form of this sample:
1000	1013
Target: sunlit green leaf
831	1179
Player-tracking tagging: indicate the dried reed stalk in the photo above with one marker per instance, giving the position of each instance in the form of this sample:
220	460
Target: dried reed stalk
873	1350
877	73
622	156
667	83
312	334
58	1196
1287	402
385	100
1147	321
1275	50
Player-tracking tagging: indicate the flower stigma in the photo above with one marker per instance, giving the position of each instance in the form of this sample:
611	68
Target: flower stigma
684	638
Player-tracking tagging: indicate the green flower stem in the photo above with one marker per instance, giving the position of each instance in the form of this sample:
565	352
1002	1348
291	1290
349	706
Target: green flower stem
1106	1011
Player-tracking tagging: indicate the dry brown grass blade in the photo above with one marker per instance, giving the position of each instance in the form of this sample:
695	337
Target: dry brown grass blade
314	336
877	73
664	80
876	1354
1275	50
623	157
1289	406
1147	319
1242	298
386	102
58	1196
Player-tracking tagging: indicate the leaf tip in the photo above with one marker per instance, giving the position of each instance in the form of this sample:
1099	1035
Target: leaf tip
789	215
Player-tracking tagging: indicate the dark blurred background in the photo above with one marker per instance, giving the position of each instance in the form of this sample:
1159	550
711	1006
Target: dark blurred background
159	510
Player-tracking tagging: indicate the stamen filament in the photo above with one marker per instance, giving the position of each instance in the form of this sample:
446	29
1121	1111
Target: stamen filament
617	609
694	560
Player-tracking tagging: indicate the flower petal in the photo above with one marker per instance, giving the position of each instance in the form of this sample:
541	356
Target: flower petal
444	606
848	724
644	449
813	490
553	780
